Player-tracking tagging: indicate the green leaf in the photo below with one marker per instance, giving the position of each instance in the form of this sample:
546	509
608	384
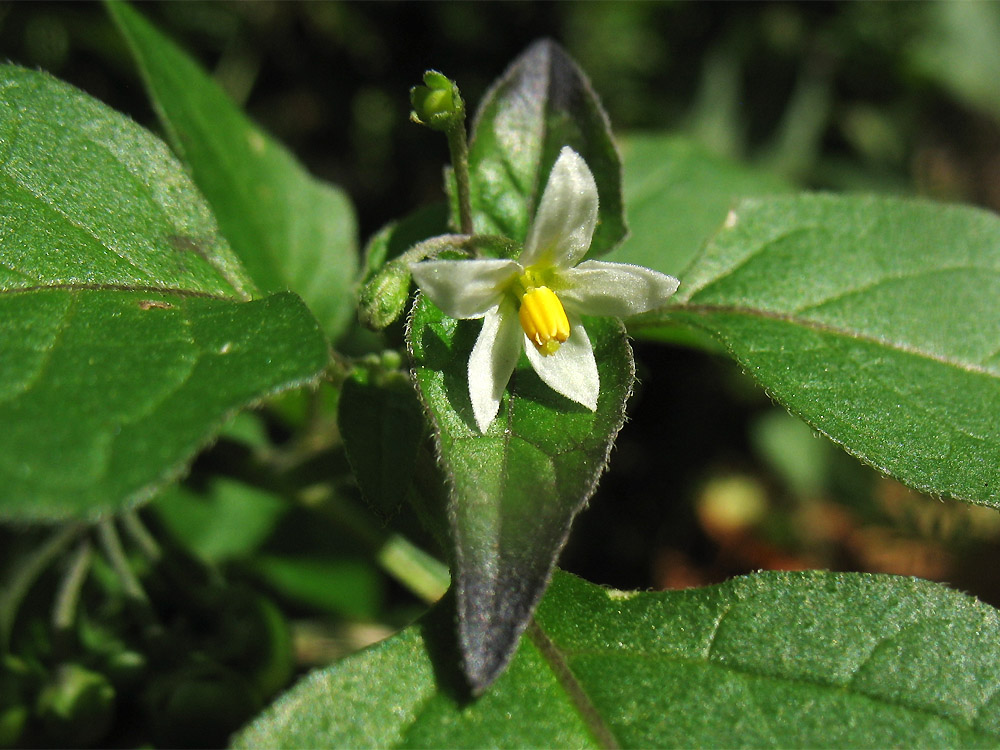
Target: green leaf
127	335
346	585
516	489
877	320
541	103
291	230
776	659
382	425
228	521
677	196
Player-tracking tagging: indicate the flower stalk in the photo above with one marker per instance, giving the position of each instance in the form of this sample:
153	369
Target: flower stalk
439	106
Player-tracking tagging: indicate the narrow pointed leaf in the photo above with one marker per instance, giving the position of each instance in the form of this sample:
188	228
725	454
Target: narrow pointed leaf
541	103
771	660
291	230
877	320
126	328
516	489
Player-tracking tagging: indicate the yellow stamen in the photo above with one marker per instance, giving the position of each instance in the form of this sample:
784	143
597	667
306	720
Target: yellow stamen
543	319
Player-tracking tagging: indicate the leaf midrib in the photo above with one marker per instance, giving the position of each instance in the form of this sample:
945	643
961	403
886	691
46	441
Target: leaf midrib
588	712
705	310
176	291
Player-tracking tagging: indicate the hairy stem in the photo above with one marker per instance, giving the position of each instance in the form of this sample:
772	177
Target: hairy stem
460	163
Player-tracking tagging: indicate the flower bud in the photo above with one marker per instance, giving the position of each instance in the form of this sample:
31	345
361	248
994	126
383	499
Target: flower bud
383	298
438	105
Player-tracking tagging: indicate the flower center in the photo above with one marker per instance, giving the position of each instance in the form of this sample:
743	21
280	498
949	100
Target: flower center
543	319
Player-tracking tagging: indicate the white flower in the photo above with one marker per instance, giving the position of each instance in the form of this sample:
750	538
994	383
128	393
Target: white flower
534	304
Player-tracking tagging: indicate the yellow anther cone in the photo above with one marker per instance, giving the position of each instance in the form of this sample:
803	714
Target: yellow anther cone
543	319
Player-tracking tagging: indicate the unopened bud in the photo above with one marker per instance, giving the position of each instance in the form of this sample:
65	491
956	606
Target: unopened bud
383	298
437	104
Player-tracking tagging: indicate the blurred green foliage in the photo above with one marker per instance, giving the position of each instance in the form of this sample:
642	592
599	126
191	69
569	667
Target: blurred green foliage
854	95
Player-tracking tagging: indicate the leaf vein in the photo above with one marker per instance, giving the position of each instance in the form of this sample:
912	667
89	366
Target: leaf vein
576	691
845	293
48	351
702	310
794	680
88	231
72	287
715	631
750	256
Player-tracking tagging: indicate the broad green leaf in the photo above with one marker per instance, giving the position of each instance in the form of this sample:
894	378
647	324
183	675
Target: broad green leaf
877	320
345	585
541	103
127	333
382	425
770	660
291	230
516	489
229	520
677	196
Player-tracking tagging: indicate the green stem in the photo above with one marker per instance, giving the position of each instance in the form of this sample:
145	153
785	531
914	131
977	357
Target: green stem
27	573
422	574
68	596
419	572
460	164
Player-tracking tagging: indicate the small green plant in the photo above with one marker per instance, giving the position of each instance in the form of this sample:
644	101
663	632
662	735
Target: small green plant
156	300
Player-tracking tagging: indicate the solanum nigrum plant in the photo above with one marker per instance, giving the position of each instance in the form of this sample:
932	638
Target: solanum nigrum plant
158	299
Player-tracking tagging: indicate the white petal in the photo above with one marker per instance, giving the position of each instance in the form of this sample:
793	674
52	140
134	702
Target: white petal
571	371
564	223
464	288
615	290
493	360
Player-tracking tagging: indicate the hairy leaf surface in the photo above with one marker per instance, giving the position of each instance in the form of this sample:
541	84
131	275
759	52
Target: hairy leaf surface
770	660
291	230
677	196
541	103
514	490
126	325
877	320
